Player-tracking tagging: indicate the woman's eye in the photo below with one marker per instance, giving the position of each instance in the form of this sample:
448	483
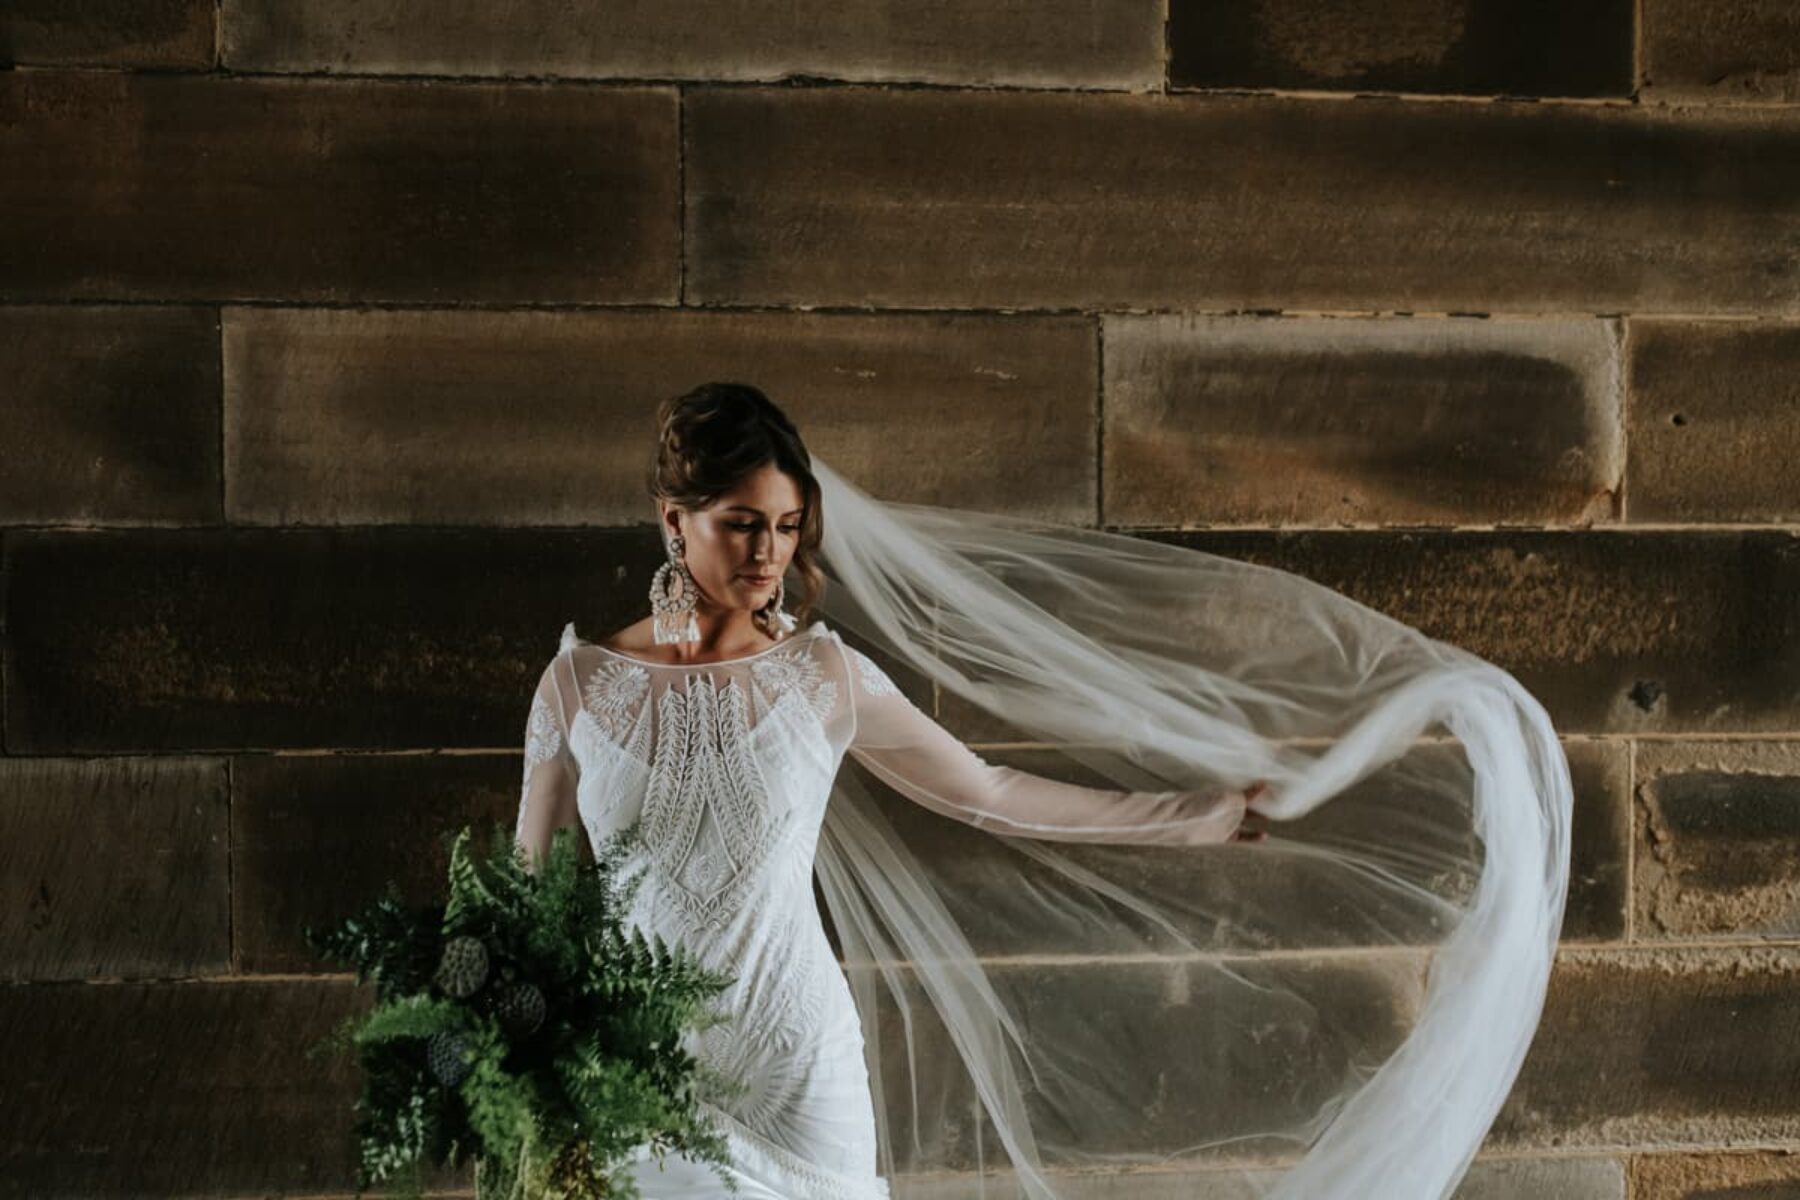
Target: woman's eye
749	526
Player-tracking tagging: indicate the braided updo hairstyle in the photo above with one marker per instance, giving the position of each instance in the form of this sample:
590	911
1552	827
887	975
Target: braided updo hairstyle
710	438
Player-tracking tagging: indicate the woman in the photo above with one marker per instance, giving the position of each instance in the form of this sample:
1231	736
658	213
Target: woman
721	722
721	728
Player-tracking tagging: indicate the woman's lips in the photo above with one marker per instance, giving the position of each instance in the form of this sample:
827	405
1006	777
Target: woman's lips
760	580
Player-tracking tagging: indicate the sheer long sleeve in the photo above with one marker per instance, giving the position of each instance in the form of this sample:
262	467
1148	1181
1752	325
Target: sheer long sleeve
923	761
547	790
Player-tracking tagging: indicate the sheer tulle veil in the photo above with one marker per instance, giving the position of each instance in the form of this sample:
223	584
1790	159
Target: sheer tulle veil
1336	1011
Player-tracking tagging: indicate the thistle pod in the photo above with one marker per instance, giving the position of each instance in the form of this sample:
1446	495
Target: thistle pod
520	1008
463	968
447	1053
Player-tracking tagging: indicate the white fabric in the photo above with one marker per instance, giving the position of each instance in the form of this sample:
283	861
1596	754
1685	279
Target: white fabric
729	766
1108	983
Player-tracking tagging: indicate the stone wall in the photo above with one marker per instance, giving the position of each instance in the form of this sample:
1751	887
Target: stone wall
330	332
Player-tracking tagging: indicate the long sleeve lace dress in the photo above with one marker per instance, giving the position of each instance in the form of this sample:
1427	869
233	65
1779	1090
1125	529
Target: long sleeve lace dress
730	765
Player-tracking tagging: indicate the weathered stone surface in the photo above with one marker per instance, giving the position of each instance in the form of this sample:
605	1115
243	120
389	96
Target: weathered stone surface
1600	841
111	415
1684	631
1543	1179
1721	50
1713	421
1513	47
1717	828
113	867
110	33
317	837
314	639
1488	1179
1314	421
160	1089
445	417
182	187
1688	1046
1769	1175
939	198
232	639
1055	43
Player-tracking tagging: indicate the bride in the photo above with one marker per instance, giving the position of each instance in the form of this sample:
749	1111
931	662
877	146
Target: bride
748	740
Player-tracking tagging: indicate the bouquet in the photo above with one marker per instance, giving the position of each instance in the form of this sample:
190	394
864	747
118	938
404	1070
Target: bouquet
521	1023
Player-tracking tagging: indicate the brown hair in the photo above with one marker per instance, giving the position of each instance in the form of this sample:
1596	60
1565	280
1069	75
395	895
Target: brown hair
712	437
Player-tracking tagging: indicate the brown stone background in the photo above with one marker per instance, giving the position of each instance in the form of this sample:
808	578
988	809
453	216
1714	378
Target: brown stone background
329	339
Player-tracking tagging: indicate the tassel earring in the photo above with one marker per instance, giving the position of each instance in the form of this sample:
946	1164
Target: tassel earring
672	597
775	620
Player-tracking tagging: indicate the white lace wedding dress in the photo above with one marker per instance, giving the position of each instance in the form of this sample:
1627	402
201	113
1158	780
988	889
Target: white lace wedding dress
730	766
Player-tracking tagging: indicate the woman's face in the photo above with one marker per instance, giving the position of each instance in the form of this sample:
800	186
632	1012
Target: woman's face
749	531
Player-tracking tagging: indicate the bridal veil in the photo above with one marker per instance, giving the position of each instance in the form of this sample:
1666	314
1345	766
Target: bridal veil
1337	1011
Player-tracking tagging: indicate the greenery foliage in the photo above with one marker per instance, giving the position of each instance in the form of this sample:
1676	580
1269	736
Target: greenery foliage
521	1022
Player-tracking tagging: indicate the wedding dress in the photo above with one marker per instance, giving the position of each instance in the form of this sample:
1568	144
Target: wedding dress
729	765
1085	979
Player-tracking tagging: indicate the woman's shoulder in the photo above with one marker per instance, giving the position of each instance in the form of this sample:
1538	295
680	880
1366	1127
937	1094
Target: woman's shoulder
636	640
630	639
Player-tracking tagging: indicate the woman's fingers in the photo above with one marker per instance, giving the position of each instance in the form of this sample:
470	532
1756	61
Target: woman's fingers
1248	827
1248	830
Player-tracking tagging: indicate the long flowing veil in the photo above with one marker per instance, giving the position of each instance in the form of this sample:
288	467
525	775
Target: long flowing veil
1336	1011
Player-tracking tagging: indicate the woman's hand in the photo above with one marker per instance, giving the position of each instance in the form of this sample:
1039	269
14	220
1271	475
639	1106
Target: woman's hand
1230	816
1251	828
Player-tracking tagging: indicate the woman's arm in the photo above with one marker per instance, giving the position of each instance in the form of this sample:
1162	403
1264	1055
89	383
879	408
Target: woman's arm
547	790
923	761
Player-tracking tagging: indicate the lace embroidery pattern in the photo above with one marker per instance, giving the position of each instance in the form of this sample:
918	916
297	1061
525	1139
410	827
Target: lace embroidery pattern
792	667
874	680
612	692
614	697
543	741
706	814
819	1182
543	738
772	1056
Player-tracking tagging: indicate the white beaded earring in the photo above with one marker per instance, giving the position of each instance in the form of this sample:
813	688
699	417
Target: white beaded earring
672	597
772	617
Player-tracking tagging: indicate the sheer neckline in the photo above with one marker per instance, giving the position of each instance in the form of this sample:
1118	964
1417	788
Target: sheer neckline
789	640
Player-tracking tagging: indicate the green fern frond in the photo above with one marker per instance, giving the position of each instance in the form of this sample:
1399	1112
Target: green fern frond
417	1016
557	1108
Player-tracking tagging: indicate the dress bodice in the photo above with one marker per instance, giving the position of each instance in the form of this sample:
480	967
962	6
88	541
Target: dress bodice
728	764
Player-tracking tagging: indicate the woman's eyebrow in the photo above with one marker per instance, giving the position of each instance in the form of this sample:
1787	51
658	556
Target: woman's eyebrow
748	509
